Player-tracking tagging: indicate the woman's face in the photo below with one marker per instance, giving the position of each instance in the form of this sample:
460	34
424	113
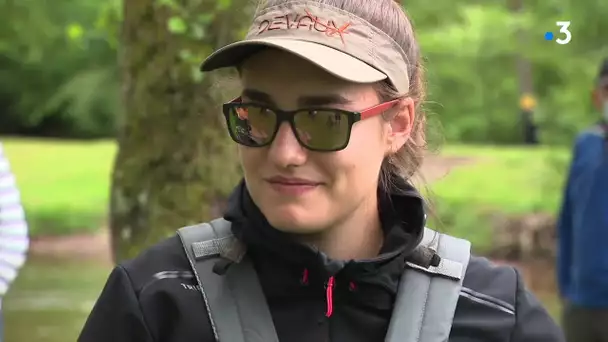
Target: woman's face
301	191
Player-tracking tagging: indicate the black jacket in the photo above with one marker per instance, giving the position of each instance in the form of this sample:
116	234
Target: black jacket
154	297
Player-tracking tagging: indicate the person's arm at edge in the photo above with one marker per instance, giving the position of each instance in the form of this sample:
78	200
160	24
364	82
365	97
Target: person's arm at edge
14	240
564	230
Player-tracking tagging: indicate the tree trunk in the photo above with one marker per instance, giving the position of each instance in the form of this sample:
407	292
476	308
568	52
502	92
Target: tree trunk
174	159
525	78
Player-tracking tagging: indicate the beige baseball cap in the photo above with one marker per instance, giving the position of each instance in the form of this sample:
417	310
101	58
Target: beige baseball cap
339	42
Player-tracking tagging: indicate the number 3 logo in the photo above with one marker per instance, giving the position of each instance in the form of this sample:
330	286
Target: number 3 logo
563	28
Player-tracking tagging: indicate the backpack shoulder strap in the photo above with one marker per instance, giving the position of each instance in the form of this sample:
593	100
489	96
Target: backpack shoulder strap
235	302
427	297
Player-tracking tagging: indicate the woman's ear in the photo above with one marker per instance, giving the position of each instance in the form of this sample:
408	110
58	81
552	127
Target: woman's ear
400	123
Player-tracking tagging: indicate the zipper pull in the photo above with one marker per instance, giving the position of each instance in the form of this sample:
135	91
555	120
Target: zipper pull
330	296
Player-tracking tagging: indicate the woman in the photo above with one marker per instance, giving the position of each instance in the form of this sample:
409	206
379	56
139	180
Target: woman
329	131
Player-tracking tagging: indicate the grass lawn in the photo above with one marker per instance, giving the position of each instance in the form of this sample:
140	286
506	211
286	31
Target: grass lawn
64	185
515	180
502	180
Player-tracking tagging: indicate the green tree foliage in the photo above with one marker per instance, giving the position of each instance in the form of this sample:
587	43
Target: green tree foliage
57	67
58	63
471	51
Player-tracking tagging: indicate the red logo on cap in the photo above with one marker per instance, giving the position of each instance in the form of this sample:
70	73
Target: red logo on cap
304	21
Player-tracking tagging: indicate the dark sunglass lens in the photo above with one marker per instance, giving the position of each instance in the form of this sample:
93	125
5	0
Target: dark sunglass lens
323	130
252	125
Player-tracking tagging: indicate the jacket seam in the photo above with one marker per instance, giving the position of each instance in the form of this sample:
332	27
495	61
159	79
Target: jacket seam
163	275
517	289
146	325
487	303
487	299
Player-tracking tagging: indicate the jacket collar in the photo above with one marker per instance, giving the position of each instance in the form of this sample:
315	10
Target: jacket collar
402	216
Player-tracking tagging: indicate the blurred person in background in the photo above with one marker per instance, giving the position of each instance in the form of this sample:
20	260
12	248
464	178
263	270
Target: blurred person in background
582	265
14	240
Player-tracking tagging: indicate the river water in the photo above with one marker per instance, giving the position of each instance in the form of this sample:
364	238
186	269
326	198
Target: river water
51	299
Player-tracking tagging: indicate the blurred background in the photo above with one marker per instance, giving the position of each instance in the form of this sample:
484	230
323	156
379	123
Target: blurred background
504	105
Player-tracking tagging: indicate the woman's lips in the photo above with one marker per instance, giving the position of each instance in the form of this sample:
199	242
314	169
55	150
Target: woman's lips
292	186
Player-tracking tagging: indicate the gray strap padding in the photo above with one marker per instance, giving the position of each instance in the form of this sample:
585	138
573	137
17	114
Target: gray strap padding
427	298
235	302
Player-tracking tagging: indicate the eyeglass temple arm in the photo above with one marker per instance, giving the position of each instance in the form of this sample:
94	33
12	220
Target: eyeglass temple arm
378	109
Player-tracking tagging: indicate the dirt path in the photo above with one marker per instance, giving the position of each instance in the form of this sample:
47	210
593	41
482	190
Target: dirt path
97	246
79	246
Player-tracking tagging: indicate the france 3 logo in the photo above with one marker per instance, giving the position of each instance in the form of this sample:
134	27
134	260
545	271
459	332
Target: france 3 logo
564	35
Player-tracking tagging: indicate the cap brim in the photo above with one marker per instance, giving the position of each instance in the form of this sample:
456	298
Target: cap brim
331	60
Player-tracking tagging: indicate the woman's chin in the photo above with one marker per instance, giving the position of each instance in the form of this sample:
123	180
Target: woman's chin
292	220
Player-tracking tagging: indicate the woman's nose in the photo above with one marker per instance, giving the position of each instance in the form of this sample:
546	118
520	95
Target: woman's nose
285	150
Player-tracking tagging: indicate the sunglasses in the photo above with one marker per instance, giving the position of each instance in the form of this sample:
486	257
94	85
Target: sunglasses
316	129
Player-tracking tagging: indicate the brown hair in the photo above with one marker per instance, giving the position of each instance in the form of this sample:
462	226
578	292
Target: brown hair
391	18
